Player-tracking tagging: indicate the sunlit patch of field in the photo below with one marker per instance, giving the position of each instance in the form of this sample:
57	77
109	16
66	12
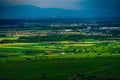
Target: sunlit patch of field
1	39
16	44
63	42
53	47
86	44
8	39
49	45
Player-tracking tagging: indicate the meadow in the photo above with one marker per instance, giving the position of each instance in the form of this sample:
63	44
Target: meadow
60	60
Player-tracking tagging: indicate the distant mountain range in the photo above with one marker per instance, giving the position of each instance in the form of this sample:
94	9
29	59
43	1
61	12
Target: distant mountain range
29	11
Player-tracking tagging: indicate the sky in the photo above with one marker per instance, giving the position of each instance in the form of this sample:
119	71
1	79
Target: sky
68	4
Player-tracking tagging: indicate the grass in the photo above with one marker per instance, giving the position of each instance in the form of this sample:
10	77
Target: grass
57	68
97	60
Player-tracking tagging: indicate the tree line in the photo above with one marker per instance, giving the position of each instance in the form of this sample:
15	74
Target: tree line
63	37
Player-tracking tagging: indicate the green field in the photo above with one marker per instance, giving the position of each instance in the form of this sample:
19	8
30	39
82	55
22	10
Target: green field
63	60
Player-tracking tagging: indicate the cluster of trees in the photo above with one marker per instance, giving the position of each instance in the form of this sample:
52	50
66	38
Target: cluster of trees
63	37
48	38
32	52
3	35
8	41
8	55
56	38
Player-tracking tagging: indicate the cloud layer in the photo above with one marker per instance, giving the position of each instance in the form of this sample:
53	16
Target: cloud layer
65	4
69	4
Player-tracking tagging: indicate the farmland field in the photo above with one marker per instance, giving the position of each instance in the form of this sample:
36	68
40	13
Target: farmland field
60	49
46	61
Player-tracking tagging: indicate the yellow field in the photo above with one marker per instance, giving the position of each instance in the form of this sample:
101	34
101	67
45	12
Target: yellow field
15	44
8	39
83	44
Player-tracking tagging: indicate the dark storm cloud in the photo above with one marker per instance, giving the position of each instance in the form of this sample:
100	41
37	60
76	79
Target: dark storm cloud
100	5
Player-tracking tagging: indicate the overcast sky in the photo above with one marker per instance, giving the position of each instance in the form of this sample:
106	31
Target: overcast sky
69	4
65	4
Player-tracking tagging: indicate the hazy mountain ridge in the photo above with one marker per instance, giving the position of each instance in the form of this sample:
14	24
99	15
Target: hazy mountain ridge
29	11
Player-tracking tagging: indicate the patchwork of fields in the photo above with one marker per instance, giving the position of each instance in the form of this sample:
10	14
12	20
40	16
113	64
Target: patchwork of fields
60	61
